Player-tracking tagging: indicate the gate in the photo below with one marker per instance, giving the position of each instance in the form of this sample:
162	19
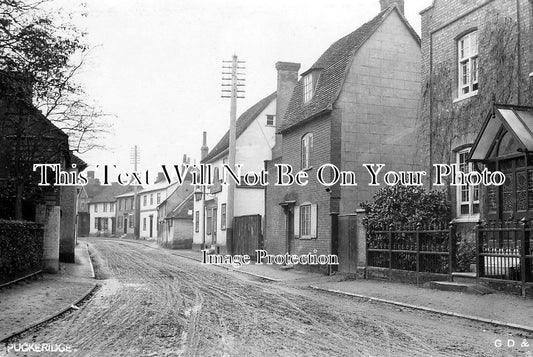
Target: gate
247	236
504	252
347	251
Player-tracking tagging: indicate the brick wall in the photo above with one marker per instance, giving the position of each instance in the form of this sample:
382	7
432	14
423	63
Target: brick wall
378	108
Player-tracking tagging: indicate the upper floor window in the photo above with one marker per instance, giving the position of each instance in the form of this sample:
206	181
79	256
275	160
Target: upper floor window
307	145
111	207
151	198
119	204
270	119
96	207
308	87
467	195
105	207
468	64
145	197
158	198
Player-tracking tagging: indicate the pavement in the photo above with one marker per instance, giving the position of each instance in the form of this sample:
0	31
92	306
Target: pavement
34	301
496	308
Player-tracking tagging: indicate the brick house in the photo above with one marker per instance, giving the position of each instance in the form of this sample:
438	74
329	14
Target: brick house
255	134
357	104
476	61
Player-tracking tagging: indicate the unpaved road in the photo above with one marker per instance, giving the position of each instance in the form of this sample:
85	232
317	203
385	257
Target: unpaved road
154	303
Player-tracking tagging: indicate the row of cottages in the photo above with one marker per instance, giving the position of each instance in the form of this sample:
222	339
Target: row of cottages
477	67
102	209
255	138
27	137
357	104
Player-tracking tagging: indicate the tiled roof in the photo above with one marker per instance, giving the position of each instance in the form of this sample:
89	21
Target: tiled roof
332	68
243	122
184	209
108	193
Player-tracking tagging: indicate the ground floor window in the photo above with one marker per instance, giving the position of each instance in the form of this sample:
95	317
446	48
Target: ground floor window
467	195
305	221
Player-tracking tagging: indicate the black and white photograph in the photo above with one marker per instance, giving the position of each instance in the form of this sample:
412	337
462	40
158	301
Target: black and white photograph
266	178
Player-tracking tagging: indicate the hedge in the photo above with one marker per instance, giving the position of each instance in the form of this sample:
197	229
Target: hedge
21	249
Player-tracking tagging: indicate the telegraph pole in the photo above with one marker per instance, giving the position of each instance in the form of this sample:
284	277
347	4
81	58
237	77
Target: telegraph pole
135	158
232	79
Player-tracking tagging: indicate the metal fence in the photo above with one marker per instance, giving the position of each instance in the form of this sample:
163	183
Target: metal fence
420	249
504	251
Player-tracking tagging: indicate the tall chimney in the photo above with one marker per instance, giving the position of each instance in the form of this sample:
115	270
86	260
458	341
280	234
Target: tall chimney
287	79
386	3
204	150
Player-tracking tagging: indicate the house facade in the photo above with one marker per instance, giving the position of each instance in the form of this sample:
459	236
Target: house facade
125	214
149	199
476	65
356	105
256	129
102	210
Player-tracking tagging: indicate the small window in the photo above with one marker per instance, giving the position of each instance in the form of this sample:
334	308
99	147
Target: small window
105	207
305	221
468	64
96	207
308	87
270	119
467	195
151	199
96	223
158	198
144	223
307	145
223	216
131	203
145	200
120	204
131	221
111	207
197	221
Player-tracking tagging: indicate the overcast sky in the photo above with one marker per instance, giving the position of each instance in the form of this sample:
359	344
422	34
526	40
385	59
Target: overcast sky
156	64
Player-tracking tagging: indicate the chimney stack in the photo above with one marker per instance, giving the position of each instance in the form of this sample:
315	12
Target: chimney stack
204	150
287	79
386	3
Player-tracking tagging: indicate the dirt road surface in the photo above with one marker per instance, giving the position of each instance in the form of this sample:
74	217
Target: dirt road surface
154	303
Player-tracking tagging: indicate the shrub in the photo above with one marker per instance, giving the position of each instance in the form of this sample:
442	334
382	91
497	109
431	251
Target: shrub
21	249
406	205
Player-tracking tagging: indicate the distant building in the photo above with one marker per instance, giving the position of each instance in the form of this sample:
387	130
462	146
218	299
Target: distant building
149	199
125	214
102	210
176	219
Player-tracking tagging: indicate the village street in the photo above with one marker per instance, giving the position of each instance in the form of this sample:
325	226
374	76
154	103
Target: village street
154	303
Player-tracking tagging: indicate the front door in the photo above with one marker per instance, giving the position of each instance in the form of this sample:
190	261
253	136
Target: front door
214	227
151	226
125	225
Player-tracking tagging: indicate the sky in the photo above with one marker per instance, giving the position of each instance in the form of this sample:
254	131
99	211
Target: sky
155	65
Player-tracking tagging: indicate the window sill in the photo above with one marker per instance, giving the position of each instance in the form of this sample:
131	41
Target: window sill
467	219
466	96
306	237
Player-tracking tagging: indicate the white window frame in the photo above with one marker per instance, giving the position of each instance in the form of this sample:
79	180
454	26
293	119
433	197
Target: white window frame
306	147
305	221
271	117
466	195
308	87
467	65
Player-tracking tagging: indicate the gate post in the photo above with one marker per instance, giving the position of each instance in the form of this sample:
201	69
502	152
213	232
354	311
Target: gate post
479	242
391	227
523	253
452	245
417	236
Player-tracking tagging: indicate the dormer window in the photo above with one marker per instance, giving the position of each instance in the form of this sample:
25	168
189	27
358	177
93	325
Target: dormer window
270	120
308	87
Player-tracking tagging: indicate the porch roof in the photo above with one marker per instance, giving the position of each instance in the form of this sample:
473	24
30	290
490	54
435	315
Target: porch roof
517	120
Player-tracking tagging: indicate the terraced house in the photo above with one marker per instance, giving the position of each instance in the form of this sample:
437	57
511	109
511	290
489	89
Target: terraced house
357	104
